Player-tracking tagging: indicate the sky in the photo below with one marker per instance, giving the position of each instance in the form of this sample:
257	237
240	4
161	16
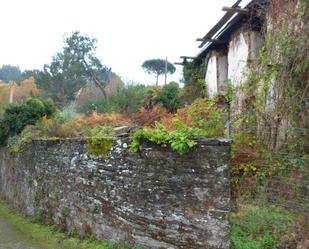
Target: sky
128	31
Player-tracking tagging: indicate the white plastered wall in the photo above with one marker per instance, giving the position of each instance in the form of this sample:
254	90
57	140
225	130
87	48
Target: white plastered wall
216	73
211	75
243	47
237	58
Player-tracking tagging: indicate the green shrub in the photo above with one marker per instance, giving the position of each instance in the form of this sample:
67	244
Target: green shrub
128	99
180	139
169	97
16	116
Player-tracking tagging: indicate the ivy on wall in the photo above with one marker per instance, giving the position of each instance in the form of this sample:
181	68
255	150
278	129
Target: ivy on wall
276	92
194	80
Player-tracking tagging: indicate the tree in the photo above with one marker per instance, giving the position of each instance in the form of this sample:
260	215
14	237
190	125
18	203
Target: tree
8	72
71	69
157	67
30	73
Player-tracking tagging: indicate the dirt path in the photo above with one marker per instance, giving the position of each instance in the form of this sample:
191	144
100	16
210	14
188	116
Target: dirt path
10	238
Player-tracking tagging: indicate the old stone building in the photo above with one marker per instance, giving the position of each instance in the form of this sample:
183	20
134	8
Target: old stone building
232	44
276	80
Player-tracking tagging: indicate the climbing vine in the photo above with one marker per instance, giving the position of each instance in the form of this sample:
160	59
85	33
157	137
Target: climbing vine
194	80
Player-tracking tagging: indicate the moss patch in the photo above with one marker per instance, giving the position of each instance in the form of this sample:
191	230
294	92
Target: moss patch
100	146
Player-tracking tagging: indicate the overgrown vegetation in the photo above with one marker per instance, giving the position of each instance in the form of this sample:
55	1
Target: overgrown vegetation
277	88
100	140
94	128
270	137
201	119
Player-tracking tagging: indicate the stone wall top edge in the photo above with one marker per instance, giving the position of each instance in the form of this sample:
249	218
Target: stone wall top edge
200	140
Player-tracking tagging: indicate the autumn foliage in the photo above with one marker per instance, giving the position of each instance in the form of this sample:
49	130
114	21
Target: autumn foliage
21	91
146	117
113	119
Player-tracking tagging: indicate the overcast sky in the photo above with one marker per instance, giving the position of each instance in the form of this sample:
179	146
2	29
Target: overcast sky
128	31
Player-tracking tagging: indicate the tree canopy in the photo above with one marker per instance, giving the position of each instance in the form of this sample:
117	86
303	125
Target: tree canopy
157	67
72	68
9	72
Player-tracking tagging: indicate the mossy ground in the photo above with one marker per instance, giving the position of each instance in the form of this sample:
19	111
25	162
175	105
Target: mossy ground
48	237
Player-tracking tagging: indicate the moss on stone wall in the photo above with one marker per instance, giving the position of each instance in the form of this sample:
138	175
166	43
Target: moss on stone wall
99	146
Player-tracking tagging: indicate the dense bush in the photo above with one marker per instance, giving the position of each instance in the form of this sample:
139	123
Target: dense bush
16	116
168	96
128	100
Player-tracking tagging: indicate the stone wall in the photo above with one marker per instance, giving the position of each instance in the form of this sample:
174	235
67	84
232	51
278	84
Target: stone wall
156	198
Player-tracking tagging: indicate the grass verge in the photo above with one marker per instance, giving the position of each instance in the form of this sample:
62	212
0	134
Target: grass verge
263	226
48	237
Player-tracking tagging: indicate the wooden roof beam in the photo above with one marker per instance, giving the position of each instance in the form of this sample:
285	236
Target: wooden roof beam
236	10
210	40
188	57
